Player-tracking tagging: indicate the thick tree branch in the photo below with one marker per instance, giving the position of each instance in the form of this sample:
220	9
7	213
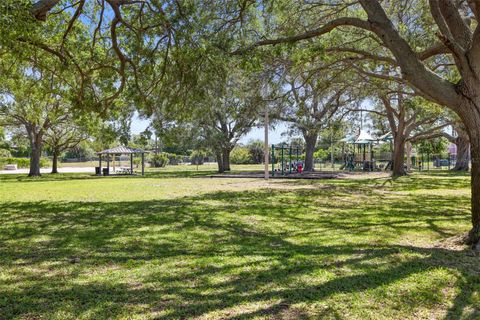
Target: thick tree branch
456	24
413	70
436	49
45	48
391	114
364	54
383	114
41	8
72	20
377	75
345	21
430	133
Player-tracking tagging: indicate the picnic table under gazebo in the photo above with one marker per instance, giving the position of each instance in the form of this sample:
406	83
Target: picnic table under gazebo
118	151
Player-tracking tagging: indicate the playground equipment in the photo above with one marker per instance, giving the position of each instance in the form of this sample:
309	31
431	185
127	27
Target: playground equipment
359	151
286	165
369	153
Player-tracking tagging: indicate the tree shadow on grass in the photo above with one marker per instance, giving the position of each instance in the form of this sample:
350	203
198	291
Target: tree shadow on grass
450	181
230	255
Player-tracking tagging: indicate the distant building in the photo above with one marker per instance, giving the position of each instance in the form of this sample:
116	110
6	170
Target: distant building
452	149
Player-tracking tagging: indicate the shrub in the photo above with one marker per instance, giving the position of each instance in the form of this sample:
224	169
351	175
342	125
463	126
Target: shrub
255	148
137	161
22	162
4	153
159	160
44	163
174	159
321	154
240	155
197	157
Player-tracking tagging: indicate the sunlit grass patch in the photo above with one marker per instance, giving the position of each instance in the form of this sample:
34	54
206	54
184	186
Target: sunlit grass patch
174	246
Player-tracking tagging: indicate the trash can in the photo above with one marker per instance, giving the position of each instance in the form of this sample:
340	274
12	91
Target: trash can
105	171
98	171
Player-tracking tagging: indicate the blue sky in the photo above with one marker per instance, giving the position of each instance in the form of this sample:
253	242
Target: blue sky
275	135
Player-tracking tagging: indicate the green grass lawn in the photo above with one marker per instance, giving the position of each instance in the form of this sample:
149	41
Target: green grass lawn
179	245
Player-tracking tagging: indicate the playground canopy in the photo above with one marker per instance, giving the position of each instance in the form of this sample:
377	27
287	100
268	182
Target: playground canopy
119	151
362	152
364	138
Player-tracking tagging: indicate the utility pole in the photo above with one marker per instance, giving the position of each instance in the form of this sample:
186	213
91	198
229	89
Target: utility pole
331	145
265	147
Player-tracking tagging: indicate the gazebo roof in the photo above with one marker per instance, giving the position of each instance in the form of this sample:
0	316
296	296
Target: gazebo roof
121	150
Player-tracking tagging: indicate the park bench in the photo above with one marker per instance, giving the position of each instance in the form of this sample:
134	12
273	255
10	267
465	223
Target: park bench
10	167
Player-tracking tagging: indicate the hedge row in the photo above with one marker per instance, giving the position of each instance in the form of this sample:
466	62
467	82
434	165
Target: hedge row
22	162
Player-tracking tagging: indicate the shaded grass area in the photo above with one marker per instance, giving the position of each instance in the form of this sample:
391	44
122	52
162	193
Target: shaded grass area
176	248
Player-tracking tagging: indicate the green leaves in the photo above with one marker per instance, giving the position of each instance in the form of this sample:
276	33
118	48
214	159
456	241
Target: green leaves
16	21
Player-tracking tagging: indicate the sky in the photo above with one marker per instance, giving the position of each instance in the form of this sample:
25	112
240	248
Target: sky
274	136
138	125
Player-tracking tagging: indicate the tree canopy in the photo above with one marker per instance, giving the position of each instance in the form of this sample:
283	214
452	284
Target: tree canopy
210	68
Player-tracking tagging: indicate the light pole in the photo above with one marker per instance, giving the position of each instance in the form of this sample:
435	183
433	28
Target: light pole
266	154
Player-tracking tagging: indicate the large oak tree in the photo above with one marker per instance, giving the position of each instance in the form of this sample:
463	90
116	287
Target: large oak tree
315	94
446	72
32	102
399	33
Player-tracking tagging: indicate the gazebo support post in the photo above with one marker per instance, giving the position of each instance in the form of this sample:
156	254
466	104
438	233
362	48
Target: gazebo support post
100	163
108	164
131	163
143	164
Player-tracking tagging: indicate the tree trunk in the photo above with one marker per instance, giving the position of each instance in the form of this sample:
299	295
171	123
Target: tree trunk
226	159
310	144
55	161
219	157
35	157
399	157
408	147
36	144
474	234
471	120
463	151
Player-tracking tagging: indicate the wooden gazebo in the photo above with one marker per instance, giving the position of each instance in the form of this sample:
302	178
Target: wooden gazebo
117	151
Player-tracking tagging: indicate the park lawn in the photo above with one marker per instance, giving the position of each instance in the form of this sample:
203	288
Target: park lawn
191	247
